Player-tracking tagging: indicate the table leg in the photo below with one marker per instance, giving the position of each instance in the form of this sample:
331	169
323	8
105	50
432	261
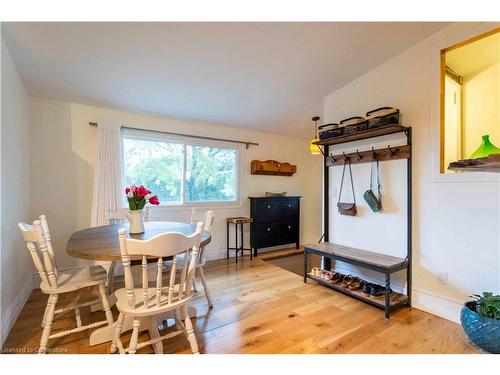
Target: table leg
227	240
236	240
105	334
111	275
305	266
241	238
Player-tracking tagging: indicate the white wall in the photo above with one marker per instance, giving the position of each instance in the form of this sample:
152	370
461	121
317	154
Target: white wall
64	158
16	265
455	224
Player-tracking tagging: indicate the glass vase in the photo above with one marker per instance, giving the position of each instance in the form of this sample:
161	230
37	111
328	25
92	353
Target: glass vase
486	148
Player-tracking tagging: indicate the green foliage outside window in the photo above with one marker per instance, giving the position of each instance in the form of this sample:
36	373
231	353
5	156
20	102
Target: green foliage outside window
210	171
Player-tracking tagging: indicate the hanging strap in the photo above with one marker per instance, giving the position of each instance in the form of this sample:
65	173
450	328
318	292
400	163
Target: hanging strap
375	158
347	161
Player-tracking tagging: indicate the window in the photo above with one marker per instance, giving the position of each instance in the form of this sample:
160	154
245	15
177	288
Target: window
180	170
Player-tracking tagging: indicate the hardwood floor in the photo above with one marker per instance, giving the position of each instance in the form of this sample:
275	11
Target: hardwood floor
261	308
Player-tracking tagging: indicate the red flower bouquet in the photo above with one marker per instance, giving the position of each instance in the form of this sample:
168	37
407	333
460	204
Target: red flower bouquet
138	196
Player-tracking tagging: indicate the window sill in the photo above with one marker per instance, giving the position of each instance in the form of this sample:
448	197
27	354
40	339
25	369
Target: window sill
201	205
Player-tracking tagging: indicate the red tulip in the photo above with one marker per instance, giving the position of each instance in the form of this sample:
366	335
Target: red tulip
141	191
127	190
154	200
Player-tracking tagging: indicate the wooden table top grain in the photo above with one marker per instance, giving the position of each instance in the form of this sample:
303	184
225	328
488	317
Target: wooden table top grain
101	243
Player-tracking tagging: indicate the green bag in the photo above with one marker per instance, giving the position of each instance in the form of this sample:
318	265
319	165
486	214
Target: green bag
374	201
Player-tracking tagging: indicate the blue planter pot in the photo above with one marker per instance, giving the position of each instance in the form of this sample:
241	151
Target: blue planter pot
482	331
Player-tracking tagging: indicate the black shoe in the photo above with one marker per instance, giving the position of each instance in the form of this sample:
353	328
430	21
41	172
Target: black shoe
366	289
376	291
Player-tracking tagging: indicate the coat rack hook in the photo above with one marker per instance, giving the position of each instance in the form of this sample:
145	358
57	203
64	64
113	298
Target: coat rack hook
374	154
391	151
359	155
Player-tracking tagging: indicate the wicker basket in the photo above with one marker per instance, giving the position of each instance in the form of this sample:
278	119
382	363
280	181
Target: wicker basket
482	331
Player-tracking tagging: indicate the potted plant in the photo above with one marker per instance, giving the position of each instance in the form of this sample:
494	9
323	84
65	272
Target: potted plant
137	198
481	321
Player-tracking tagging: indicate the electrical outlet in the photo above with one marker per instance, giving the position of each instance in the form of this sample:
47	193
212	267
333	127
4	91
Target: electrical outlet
442	277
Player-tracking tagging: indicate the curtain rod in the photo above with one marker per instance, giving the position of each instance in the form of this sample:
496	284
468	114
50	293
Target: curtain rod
247	144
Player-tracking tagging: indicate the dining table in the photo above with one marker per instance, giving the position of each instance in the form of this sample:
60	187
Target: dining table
102	244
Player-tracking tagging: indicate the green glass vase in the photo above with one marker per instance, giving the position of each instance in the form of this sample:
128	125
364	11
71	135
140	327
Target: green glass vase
486	148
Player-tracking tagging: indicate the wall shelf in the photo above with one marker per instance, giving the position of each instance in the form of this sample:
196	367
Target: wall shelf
370	133
488	164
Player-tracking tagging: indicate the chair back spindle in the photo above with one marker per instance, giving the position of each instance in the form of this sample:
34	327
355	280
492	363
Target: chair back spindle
161	246
36	243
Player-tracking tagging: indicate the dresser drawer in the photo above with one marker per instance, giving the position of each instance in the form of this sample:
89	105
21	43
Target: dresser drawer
288	209
288	232
266	211
267	234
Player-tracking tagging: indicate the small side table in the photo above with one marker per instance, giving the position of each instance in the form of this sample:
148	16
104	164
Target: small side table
237	221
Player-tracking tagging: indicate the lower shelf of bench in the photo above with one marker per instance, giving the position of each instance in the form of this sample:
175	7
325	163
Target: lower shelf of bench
396	300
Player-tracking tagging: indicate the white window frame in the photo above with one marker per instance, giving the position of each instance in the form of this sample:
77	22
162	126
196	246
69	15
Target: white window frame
153	135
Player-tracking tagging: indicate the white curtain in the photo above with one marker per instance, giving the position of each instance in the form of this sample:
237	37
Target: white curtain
108	180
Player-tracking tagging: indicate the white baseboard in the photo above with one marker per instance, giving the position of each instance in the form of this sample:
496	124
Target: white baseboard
15	308
437	305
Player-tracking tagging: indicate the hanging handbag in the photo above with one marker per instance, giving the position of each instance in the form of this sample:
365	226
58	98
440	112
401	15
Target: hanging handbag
374	201
347	208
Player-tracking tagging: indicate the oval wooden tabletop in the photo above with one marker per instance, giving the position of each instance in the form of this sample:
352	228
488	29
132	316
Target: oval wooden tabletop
101	243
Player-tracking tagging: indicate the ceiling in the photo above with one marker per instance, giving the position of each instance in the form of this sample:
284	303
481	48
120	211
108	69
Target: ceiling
476	56
261	76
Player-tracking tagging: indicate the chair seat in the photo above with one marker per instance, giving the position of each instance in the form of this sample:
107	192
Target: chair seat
76	278
139	310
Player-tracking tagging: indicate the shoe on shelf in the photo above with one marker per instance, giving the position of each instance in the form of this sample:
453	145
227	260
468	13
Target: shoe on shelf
366	288
378	291
347	281
355	284
337	278
328	275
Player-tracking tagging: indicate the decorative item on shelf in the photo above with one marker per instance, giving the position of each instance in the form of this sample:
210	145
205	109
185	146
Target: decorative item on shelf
269	194
330	131
137	197
481	321
354	124
315	149
272	168
382	116
487	148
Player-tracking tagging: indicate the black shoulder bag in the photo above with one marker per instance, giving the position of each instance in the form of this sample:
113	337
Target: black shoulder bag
347	208
374	201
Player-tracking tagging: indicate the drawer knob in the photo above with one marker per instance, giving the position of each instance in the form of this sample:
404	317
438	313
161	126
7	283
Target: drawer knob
268	206
268	229
289	205
289	227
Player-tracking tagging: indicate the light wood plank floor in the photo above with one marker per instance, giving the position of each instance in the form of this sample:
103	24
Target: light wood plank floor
261	308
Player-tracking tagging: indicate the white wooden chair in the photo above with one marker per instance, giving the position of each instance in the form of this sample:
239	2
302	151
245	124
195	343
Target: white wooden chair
146	304
56	281
208	220
207	226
